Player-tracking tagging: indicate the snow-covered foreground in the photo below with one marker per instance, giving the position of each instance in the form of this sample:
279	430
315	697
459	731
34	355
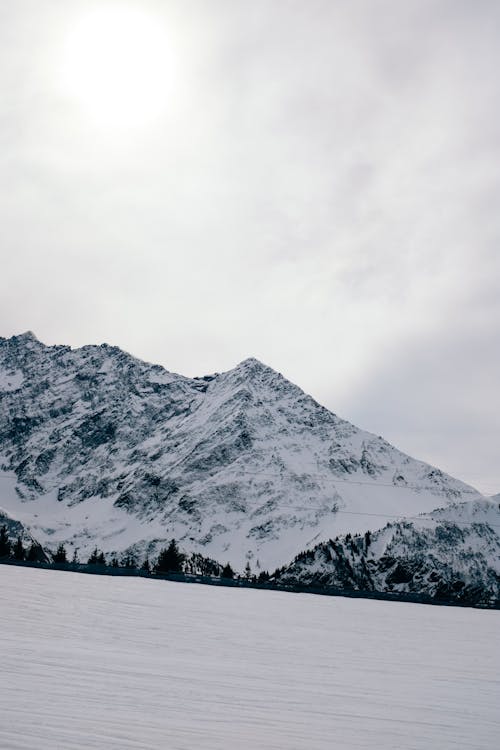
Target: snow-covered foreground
119	663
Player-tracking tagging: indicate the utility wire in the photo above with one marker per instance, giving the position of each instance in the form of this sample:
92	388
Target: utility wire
334	480
401	516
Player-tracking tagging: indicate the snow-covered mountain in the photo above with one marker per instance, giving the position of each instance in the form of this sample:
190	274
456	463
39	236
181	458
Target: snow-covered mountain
97	447
451	553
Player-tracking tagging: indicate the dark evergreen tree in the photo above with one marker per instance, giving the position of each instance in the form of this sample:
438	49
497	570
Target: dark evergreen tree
227	571
33	553
60	555
19	552
263	576
96	558
5	545
75	560
248	571
146	566
114	562
170	560
128	561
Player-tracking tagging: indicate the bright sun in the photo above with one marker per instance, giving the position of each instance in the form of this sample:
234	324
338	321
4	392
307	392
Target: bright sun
118	67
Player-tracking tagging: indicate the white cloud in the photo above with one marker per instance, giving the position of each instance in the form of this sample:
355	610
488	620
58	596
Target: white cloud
322	194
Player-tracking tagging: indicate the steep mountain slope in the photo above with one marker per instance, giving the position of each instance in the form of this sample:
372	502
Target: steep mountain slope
452	553
97	447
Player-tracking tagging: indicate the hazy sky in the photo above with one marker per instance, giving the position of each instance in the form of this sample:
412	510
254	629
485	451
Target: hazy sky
315	184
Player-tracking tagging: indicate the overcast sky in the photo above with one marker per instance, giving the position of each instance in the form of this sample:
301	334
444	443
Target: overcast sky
318	187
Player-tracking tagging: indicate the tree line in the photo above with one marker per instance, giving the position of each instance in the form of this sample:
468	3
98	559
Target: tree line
169	560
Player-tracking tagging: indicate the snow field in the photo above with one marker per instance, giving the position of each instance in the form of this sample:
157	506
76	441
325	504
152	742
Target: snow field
94	662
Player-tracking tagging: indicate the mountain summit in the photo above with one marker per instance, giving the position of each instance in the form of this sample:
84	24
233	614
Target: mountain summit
98	447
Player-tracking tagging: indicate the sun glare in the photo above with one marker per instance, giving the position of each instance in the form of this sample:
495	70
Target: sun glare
118	67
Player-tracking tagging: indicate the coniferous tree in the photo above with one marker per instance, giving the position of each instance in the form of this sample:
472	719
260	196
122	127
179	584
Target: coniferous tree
75	560
5	545
146	566
175	557
263	576
19	552
227	571
128	561
170	560
161	565
60	555
96	558
248	571
32	555
114	562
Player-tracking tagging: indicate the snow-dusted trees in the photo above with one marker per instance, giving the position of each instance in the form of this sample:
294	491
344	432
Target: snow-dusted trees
7	549
18	552
227	571
96	558
33	553
59	555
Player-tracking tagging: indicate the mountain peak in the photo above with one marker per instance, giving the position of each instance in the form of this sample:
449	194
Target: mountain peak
26	336
252	364
21	340
253	369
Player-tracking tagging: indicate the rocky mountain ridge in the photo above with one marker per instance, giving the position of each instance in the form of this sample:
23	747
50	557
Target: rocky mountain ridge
98	447
451	553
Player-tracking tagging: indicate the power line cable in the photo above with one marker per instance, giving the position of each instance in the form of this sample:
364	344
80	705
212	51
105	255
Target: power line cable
401	516
430	488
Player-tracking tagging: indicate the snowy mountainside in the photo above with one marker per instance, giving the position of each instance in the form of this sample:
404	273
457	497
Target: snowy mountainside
97	447
452	553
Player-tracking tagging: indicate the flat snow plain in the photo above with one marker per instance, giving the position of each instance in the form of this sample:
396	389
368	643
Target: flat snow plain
123	663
